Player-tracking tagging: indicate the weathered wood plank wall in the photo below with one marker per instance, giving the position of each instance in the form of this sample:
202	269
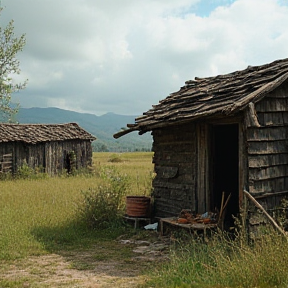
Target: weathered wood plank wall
49	155
14	148
177	159
268	146
175	166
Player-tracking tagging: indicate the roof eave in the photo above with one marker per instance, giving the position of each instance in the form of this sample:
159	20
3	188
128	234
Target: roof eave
230	109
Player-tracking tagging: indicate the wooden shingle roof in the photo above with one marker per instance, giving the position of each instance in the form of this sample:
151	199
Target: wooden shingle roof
35	133
219	95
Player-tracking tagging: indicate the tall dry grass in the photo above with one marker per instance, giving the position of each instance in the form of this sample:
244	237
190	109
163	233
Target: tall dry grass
138	166
226	262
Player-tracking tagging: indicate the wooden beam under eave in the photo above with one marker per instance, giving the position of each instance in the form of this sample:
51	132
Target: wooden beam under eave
251	118
123	132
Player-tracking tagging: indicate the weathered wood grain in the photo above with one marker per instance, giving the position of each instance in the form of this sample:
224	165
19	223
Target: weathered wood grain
276	118
267	133
279	104
267	160
174	151
268	172
268	185
267	147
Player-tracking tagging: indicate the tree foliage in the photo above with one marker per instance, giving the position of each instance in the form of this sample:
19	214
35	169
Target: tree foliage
10	45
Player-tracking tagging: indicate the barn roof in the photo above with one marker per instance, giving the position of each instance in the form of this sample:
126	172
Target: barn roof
35	133
211	96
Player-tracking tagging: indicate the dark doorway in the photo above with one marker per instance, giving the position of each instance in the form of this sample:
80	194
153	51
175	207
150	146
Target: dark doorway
225	169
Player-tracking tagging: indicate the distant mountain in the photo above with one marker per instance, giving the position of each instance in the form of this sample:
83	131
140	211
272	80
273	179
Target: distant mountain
102	127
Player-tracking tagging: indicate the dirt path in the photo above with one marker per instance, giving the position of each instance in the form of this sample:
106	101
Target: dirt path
55	271
89	268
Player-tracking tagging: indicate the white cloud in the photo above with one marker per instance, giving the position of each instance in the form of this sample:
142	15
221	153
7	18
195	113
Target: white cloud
123	56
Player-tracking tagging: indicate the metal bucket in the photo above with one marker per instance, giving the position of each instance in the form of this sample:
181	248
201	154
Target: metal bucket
138	206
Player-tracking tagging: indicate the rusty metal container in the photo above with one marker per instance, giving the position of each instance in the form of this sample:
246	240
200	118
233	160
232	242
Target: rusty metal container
138	206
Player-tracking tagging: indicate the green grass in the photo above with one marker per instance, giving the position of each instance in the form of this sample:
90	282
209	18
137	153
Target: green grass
31	208
41	215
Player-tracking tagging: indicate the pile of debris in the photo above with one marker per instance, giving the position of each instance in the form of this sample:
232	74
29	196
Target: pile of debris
187	217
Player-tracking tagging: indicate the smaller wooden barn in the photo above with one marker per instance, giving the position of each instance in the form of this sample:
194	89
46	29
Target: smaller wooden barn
49	147
224	133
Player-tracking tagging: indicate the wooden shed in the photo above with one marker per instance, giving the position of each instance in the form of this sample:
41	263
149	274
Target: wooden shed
223	133
51	147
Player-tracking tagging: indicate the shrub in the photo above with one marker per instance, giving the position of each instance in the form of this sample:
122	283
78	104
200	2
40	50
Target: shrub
115	159
103	206
6	175
26	172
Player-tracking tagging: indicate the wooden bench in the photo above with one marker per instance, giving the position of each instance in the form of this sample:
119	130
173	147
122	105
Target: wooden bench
194	227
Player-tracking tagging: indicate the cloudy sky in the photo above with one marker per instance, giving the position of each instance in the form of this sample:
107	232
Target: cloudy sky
100	56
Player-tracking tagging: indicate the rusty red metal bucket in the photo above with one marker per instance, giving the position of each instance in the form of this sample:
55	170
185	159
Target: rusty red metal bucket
138	206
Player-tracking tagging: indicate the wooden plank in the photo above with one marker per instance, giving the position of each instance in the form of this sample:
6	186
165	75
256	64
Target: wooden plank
9	164
268	185
166	208
202	170
243	171
268	195
6	163
161	183
267	134
268	172
272	105
190	226
175	134
179	195
267	147
279	92
174	147
179	147
7	157
258	161
166	172
276	118
6	168
173	158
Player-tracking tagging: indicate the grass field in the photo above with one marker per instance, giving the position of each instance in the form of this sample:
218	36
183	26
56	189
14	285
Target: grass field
43	243
138	166
31	210
39	217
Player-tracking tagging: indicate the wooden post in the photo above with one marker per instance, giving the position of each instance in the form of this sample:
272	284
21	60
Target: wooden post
203	198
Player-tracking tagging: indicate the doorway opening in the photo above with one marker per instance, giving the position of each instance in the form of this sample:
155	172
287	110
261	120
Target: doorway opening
225	169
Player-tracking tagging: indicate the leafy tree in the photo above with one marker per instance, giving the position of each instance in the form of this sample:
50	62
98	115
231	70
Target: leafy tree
10	45
99	147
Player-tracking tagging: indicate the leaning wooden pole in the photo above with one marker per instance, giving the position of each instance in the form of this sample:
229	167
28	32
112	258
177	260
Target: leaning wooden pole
258	205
